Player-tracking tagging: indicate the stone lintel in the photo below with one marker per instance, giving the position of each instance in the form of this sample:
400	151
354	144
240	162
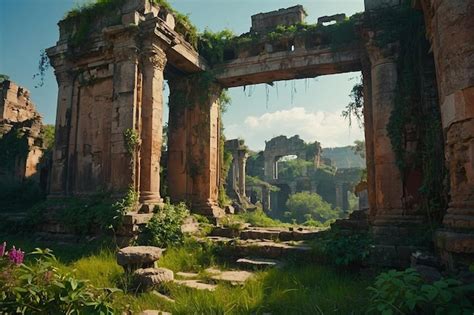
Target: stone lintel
298	64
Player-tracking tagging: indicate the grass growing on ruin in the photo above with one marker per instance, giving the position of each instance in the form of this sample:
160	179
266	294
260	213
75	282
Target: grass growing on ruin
306	288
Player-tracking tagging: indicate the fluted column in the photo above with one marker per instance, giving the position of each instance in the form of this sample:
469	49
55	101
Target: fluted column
242	161
154	62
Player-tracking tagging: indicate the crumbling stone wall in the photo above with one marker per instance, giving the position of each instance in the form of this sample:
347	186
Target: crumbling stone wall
21	143
269	20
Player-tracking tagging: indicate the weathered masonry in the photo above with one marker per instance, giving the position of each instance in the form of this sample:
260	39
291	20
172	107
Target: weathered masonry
109	117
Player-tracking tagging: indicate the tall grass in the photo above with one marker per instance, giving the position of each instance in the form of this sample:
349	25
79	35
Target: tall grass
296	289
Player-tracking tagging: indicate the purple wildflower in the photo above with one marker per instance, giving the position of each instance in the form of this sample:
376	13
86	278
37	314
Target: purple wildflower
3	248
16	255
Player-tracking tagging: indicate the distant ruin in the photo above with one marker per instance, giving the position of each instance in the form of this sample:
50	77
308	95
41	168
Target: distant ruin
21	142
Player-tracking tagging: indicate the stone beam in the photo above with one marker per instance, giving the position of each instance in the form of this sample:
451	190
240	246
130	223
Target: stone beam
287	65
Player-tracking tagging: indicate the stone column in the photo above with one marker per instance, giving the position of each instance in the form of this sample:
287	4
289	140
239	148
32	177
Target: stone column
450	26
177	140
392	226
193	167
151	127
265	199
59	170
241	165
203	126
123	172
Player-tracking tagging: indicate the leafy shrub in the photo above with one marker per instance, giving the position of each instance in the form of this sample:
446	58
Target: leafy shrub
306	206
86	215
343	249
164	228
42	288
404	292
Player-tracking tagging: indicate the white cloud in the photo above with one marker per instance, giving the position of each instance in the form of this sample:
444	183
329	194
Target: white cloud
329	128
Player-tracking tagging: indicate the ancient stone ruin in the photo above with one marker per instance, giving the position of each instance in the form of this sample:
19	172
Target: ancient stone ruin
109	117
21	142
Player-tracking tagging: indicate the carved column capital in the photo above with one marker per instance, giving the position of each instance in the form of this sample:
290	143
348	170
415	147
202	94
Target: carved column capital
156	58
378	55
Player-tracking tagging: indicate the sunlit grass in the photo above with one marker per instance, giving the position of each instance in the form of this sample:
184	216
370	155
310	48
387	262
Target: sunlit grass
304	288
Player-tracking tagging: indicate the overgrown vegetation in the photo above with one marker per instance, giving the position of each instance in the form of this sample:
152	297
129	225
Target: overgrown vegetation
355	107
405	292
259	218
294	289
310	207
164	228
414	120
343	249
87	215
43	288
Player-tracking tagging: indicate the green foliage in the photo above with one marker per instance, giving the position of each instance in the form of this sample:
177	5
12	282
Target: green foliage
305	206
412	119
4	77
164	228
255	181
14	145
190	257
404	292
42	288
292	169
47	134
355	107
44	65
86	215
132	140
343	249
259	218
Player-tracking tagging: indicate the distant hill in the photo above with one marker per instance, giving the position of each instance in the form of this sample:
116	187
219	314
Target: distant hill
344	157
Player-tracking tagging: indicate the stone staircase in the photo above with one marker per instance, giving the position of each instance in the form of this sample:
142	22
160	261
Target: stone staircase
256	248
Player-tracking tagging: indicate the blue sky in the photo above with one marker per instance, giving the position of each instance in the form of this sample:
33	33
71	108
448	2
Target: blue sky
309	107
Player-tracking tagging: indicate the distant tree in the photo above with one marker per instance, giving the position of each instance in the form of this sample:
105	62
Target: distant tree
294	168
4	77
359	148
48	136
306	206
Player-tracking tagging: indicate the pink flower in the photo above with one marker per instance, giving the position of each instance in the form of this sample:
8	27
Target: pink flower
16	256
3	247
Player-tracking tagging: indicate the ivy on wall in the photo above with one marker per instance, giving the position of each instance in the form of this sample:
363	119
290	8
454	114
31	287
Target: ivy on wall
414	120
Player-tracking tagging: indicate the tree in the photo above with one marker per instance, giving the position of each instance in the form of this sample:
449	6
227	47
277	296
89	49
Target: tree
305	206
359	148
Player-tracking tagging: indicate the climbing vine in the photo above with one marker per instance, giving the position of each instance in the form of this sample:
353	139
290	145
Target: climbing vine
132	140
411	120
356	105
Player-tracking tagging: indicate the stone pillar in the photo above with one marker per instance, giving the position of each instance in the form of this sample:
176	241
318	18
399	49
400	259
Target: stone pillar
204	153
266	199
123	165
391	225
178	185
450	27
151	127
369	136
59	174
193	167
242	159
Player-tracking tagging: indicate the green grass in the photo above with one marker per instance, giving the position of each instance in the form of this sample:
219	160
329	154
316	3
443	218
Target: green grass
306	288
259	218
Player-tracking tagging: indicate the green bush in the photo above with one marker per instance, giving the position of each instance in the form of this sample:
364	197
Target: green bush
404	292
306	206
259	218
42	288
164	228
343	249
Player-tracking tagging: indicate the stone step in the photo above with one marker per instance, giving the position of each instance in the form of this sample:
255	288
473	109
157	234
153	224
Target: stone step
273	234
264	249
258	263
196	284
352	224
234	277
